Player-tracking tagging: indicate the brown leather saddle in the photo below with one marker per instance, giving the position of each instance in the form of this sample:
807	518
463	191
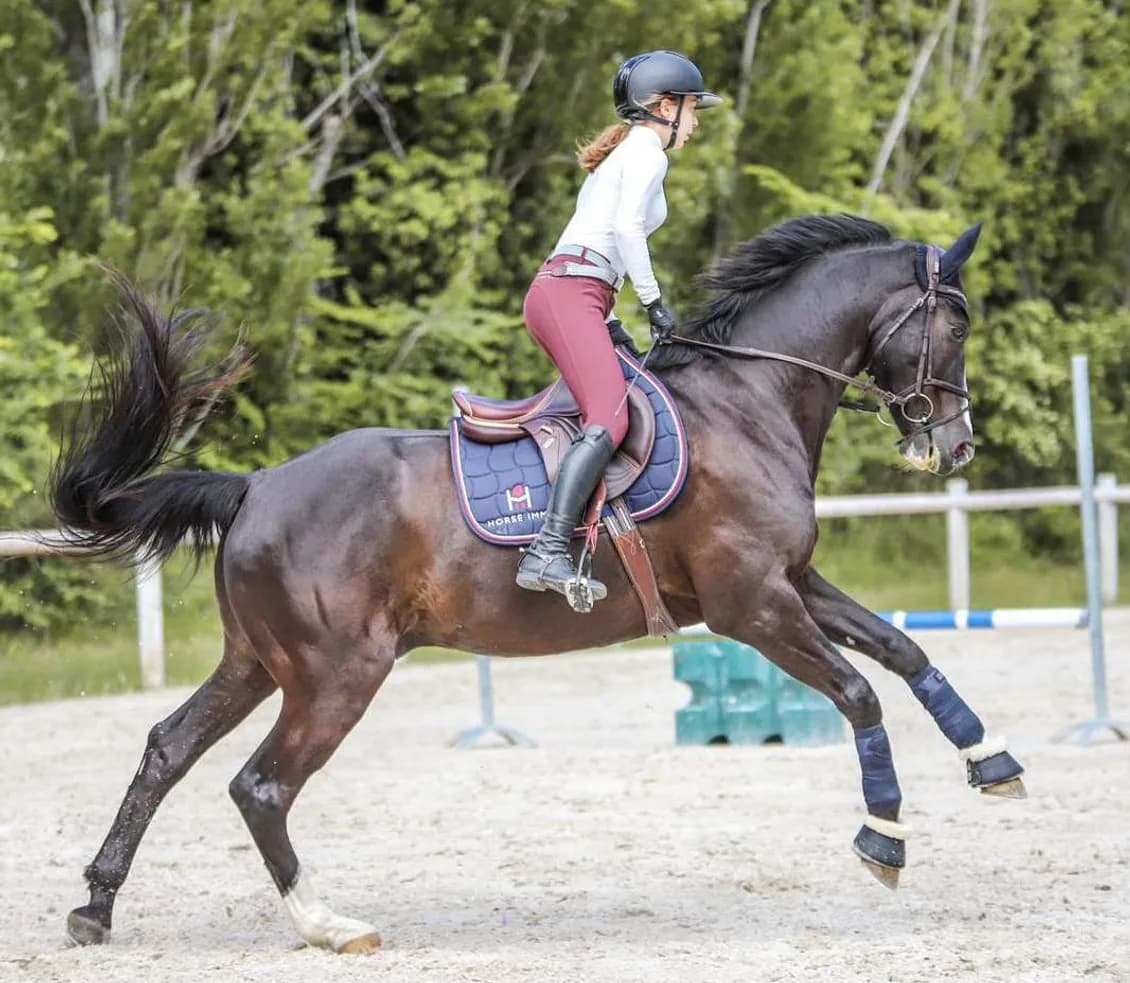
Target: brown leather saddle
553	418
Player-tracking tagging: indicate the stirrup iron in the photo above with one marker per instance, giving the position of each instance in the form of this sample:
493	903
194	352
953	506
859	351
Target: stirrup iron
578	589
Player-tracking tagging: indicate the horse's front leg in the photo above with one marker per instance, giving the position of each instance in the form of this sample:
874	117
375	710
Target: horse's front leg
780	628
989	766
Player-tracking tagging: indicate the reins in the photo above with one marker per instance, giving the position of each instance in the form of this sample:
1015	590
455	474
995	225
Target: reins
886	396
920	422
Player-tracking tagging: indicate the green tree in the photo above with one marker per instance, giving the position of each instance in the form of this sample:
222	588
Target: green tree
365	190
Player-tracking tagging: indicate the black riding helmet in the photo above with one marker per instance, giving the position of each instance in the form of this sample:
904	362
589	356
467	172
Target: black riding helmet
657	73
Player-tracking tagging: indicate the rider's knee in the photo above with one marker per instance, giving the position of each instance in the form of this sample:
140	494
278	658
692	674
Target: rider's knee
599	438
618	426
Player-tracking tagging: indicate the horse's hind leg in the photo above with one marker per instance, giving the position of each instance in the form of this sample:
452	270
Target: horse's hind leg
238	685
846	622
317	713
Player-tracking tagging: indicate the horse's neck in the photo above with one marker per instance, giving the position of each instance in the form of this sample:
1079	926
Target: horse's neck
792	322
823	315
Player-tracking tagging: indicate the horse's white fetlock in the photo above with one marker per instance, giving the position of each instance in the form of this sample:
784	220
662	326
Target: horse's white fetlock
318	924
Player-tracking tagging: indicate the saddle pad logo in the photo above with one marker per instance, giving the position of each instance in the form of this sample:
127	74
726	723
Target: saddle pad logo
519	497
503	491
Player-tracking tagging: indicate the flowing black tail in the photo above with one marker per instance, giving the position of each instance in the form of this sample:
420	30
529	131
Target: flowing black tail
102	489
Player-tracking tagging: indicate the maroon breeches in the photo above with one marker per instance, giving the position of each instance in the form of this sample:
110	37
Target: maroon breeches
566	315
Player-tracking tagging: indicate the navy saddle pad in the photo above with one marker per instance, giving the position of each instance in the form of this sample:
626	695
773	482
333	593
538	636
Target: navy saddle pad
503	490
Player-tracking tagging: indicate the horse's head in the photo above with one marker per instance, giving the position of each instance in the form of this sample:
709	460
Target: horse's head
917	351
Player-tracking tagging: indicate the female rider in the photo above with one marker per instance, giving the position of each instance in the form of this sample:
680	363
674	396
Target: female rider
569	304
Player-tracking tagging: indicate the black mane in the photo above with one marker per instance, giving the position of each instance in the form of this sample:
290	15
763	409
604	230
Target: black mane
758	266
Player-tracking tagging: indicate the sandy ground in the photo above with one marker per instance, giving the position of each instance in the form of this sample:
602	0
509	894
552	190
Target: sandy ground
606	853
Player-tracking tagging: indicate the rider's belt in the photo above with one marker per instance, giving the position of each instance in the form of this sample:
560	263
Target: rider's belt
601	270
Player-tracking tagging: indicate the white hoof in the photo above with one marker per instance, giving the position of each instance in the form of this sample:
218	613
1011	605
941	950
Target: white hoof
322	927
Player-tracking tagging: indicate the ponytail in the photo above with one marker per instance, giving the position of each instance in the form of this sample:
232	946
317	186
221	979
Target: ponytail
590	154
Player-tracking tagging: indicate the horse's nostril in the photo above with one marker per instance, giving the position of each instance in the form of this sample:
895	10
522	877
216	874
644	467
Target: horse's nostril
964	451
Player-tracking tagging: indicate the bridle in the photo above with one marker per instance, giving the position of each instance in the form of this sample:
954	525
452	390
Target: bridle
920	422
909	400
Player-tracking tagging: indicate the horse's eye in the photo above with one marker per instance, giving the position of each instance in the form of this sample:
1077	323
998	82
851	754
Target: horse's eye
959	331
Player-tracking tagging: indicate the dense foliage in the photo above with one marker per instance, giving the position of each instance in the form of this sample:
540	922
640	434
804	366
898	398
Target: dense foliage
366	188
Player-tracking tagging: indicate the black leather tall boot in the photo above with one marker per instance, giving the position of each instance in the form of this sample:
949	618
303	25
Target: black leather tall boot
547	563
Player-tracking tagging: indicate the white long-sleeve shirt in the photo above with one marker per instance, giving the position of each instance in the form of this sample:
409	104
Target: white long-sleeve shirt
620	204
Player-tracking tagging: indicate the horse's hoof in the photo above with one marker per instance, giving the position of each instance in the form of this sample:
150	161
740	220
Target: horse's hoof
363	945
881	845
1012	789
997	774
887	876
84	928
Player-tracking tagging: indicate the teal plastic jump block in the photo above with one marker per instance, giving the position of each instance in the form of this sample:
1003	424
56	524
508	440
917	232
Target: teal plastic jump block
739	697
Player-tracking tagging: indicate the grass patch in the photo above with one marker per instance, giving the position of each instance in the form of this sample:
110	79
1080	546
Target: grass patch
100	658
901	565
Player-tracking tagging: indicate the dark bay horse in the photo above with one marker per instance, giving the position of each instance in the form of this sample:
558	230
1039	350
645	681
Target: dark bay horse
332	565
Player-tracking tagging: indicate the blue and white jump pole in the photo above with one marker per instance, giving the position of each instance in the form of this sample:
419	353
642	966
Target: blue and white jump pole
989	618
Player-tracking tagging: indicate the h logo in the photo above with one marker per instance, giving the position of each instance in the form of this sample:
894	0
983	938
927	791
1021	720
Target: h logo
518	497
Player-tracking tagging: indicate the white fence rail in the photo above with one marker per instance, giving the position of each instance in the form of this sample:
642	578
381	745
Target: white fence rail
956	502
150	602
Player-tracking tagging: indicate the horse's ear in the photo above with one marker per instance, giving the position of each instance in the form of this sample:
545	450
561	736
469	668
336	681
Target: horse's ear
956	256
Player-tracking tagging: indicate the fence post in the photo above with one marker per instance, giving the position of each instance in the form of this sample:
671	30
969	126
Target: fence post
150	624
1108	539
1085	464
469	738
957	545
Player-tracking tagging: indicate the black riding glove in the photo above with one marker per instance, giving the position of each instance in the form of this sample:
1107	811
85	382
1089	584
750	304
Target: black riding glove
662	320
620	337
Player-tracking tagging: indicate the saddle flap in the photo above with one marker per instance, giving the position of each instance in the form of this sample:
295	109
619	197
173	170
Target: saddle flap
633	455
553	437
